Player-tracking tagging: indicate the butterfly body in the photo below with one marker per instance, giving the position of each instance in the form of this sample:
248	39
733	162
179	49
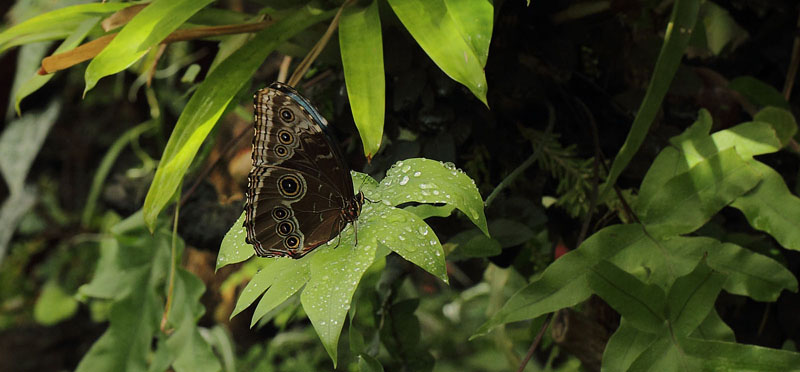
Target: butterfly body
300	194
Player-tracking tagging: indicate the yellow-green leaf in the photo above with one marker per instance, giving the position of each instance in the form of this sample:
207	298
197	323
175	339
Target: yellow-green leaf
154	23
430	23
362	59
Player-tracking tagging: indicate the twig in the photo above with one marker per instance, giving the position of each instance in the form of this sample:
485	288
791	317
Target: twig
91	49
596	182
527	163
535	343
318	47
171	287
791	74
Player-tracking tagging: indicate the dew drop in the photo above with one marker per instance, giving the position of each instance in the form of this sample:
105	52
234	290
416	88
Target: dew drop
404	180
417	174
406	168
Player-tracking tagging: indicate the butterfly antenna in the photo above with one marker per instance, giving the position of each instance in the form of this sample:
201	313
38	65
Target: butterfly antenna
364	179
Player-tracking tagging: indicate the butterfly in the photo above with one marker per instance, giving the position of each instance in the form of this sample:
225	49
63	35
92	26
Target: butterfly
299	194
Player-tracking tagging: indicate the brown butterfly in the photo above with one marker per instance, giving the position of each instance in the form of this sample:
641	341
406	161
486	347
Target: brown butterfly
300	194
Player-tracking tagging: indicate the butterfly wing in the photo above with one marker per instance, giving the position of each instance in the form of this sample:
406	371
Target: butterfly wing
299	184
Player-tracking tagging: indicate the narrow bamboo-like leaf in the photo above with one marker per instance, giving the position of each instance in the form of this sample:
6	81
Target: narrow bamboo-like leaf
642	305
624	346
772	208
362	60
430	181
474	20
434	29
36	81
57	24
692	297
210	100
690	199
563	283
679	31
234	248
154	23
335	273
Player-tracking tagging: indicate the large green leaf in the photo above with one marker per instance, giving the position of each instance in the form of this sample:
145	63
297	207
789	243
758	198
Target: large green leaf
729	356
188	349
640	304
563	283
433	27
690	199
209	102
772	208
692	298
148	28
625	345
678	34
57	24
362	60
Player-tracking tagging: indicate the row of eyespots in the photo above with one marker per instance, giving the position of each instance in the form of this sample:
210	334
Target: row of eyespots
284	150
286	227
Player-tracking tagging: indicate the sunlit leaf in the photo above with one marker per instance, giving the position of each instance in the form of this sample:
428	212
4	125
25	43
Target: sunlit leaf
362	60
148	28
431	25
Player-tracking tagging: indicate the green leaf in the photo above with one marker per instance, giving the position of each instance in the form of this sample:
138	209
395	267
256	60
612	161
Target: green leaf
36	81
678	34
209	102
367	363
713	328
666	165
781	120
147	29
729	356
563	283
433	27
189	350
293	275
362	60
471	244
259	283
751	274
429	181
407	235
640	304
335	273
474	20
772	208
758	92
664	355
625	345
234	248
690	199
21	141
142	261
53	305
57	24
126	344
692	297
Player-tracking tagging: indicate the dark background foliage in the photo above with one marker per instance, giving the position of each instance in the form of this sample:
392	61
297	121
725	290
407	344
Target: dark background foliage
585	73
